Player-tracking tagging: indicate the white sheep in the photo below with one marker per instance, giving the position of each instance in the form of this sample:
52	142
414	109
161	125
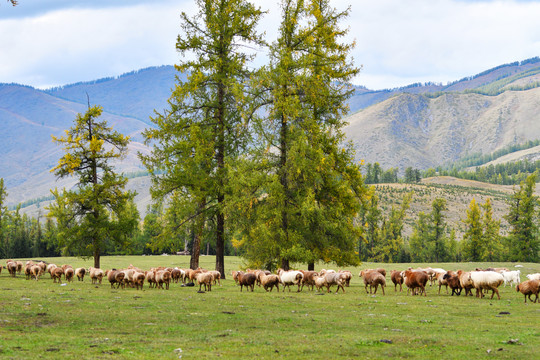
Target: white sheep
511	277
535	276
289	278
487	280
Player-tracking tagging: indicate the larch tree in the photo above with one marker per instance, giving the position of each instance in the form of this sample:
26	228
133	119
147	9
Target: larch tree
204	129
473	238
98	210
303	193
493	250
524	244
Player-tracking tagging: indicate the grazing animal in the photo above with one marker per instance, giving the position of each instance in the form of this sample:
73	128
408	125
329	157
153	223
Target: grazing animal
452	279
319	282
528	288
116	277
465	282
69	273
138	280
35	271
511	277
291	277
247	280
12	268
347	276
309	279
216	277
150	277
486	280
269	281
373	278
416	279
334	279
163	277
96	275
234	275
205	279
397	279
80	272
534	276
57	274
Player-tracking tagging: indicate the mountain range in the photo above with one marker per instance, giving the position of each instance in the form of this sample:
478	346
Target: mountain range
421	125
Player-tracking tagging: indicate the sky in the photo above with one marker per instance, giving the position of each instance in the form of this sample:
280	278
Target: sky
45	43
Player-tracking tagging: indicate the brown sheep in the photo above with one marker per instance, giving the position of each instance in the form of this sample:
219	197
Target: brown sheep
247	280
138	280
234	275
28	271
269	281
19	266
216	277
452	279
529	287
206	279
465	282
163	277
115	277
69	273
396	277
176	275
416	279
308	279
57	273
35	271
12	268
150	277
347	276
373	279
96	275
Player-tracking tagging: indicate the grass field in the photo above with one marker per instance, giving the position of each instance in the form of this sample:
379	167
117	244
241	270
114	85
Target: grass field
84	321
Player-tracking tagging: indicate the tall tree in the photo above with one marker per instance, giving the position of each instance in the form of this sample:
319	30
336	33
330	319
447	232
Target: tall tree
391	242
95	211
522	218
473	238
3	220
493	250
438	225
305	191
204	129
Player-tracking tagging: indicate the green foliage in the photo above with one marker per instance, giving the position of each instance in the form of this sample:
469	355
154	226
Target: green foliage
204	128
298	200
523	241
98	211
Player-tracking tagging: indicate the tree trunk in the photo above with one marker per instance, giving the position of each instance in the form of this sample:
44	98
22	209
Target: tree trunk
198	229
285	264
97	258
311	267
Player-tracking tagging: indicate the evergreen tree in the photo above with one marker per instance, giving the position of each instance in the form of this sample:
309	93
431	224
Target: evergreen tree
493	250
391	242
93	213
523	236
421	248
473	238
438	225
196	140
304	191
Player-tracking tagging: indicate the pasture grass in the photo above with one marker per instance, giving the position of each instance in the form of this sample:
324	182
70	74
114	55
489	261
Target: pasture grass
79	320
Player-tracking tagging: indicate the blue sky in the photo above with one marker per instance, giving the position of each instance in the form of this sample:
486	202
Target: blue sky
55	42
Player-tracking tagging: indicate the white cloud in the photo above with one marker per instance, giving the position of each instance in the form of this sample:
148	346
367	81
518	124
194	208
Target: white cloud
398	42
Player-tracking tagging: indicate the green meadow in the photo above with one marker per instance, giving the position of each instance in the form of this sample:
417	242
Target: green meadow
79	320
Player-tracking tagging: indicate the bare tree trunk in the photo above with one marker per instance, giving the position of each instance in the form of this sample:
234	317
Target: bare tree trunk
198	228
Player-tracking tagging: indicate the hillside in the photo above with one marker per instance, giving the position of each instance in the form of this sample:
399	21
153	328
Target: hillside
423	132
458	194
28	118
136	94
421	125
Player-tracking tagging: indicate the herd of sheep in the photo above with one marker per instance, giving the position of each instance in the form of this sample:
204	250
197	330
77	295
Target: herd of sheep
482	280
